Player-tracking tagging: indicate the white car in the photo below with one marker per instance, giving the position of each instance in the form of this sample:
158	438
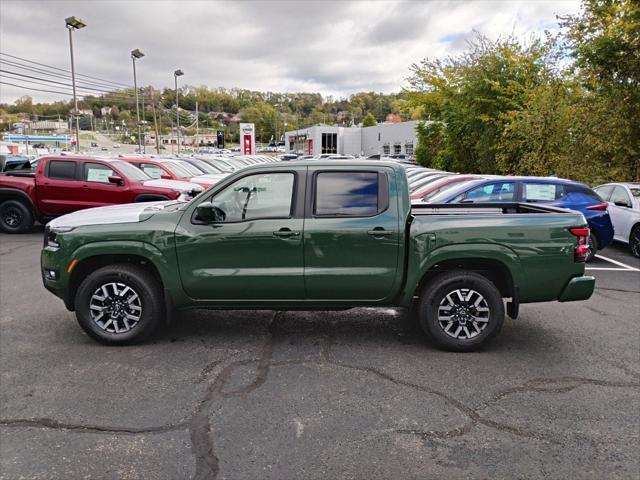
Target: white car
624	210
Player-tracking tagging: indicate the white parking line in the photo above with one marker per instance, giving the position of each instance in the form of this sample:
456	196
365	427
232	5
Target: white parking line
626	268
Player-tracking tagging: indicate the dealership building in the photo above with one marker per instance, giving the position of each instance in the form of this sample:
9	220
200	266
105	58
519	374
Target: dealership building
383	139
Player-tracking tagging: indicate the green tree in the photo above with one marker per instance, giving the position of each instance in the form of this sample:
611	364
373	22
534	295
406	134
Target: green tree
369	120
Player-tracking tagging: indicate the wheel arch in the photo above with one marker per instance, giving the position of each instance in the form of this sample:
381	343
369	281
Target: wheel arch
15	194
150	197
92	263
496	271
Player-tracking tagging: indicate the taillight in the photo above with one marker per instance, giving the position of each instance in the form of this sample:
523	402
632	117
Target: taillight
581	252
600	206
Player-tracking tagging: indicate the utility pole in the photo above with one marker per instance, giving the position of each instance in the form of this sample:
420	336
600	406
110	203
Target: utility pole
137	54
177	74
144	124
155	125
74	23
197	125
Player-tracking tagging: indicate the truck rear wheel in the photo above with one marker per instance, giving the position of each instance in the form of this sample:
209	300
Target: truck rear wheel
119	305
15	217
461	310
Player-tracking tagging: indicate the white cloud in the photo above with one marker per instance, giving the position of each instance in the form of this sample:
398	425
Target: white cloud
331	47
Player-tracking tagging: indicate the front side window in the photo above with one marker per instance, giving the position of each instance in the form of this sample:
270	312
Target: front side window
541	192
346	194
265	195
620	197
493	192
62	170
604	191
96	172
153	171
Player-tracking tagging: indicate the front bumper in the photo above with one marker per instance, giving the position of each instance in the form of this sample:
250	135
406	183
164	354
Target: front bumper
578	288
57	286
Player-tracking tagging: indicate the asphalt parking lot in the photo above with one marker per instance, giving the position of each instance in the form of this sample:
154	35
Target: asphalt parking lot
353	394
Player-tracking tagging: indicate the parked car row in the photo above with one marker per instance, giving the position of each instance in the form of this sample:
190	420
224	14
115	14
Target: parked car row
57	185
612	210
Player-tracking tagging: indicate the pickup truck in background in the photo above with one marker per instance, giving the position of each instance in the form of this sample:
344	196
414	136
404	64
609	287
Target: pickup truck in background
314	235
64	184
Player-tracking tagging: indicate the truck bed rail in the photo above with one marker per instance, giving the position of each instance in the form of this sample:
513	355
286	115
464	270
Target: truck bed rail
483	208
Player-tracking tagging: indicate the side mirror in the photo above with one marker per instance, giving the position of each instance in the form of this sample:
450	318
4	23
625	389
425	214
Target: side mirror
165	176
208	212
115	179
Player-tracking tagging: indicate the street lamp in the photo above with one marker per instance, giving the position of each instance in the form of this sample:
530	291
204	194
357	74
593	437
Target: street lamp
176	74
136	55
74	23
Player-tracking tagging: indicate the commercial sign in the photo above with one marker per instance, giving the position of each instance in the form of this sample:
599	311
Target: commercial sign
247	138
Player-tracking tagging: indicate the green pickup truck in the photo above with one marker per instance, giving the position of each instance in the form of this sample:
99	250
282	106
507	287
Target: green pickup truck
314	235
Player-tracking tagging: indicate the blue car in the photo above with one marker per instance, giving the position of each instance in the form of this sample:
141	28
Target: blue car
550	191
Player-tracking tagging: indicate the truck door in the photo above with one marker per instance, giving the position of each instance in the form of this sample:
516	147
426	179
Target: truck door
351	234
97	191
252	250
59	187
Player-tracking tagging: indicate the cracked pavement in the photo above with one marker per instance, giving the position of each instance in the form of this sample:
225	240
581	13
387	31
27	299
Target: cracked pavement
357	394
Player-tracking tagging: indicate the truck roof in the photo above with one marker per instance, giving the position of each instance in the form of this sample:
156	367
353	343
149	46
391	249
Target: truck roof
328	163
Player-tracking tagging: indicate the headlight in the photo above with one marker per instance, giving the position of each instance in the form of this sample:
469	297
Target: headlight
51	235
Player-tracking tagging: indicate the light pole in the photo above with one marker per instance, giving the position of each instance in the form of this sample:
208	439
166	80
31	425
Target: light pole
176	74
135	55
74	23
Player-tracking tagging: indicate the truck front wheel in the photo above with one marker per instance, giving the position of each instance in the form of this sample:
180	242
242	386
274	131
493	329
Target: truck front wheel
461	310
15	217
119	304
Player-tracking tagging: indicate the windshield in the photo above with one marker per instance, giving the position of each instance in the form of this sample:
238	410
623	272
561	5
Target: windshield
456	187
129	171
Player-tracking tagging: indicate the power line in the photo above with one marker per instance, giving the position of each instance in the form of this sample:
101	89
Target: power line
36	89
54	74
66	71
52	81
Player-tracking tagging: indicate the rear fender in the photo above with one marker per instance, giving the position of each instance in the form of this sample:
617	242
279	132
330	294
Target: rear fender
419	264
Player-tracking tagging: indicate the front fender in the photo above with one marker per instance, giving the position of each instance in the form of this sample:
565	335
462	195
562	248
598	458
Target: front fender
421	261
164	261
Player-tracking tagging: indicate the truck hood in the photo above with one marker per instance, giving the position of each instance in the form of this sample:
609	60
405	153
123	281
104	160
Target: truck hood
127	213
176	185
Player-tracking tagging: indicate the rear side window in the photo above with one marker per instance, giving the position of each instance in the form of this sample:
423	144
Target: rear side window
62	170
348	194
542	192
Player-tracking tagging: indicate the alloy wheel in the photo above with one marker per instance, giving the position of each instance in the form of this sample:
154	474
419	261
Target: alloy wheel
12	217
463	314
635	242
115	307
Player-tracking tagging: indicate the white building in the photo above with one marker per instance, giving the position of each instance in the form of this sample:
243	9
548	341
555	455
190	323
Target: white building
382	139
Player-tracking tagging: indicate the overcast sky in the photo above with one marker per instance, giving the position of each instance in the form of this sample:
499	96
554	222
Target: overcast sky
335	48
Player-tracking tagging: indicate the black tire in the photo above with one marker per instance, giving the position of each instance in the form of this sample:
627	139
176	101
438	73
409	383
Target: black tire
593	247
15	217
484	327
150	301
634	241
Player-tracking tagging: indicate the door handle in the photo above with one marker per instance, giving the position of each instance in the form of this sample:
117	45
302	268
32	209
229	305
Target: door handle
286	233
379	232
